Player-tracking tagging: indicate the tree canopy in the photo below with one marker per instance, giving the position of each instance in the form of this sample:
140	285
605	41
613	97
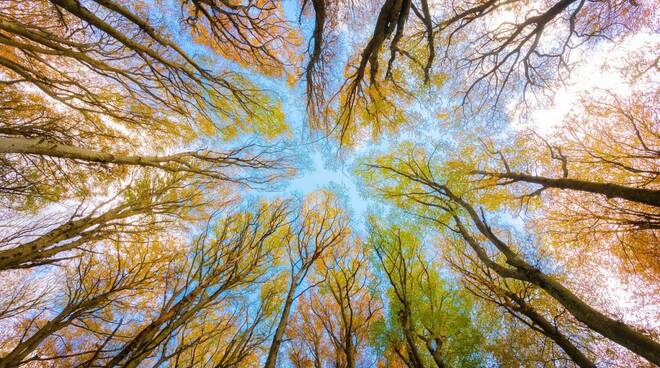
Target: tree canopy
316	183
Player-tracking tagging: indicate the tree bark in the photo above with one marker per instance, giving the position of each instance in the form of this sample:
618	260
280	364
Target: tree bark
610	328
640	195
350	353
271	360
518	268
63	319
415	356
24	348
43	247
435	351
552	332
42	147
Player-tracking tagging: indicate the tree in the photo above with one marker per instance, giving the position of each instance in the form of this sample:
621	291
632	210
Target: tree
320	56
24	295
94	285
92	100
146	218
145	205
332	324
521	54
320	227
104	83
499	48
595	177
309	345
250	33
525	303
430	324
199	287
45	44
414	180
50	170
230	256
99	100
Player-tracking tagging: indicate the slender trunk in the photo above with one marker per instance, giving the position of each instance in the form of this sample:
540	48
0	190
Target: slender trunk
319	23
158	331
23	349
147	334
610	328
74	7
203	163
42	147
435	351
144	350
63	319
640	195
415	356
552	332
271	360
136	344
39	249
350	352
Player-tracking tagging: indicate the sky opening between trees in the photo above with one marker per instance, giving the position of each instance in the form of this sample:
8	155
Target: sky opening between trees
317	183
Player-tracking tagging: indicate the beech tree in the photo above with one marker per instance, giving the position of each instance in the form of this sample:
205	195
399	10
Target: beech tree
500	48
595	176
525	304
94	286
229	256
45	42
430	325
450	208
88	82
145	206
331	325
176	183
320	227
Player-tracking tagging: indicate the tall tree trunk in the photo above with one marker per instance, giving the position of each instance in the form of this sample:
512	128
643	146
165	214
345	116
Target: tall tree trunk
137	349
147	333
415	357
317	35
640	195
435	351
25	348
45	246
350	351
552	332
42	147
63	319
610	328
204	163
271	360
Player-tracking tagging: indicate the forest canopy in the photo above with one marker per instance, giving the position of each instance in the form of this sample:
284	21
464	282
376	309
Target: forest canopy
329	183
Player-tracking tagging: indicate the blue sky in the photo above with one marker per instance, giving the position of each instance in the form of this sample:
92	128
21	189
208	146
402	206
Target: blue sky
320	164
317	168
